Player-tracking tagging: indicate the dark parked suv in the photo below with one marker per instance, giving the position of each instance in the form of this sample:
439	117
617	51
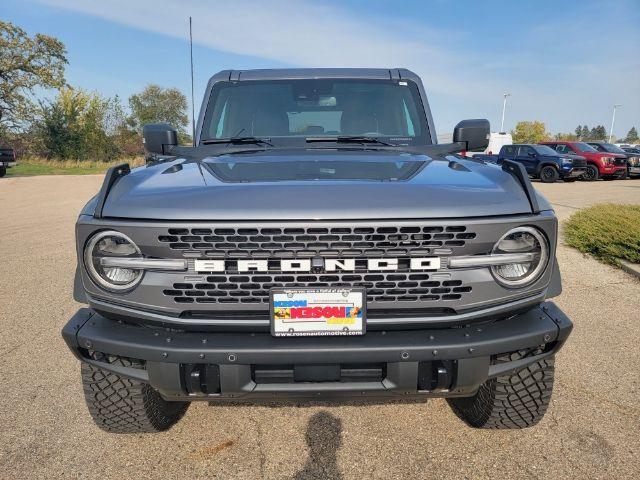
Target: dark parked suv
541	162
633	160
316	242
7	160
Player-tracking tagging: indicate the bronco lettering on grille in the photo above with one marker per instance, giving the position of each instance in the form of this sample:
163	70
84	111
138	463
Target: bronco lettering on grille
305	265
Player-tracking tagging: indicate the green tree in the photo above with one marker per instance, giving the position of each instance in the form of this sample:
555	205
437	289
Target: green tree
578	131
25	64
80	125
601	132
632	136
159	105
584	135
530	132
598	133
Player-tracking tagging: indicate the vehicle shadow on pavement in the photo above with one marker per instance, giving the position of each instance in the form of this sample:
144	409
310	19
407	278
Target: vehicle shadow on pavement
324	437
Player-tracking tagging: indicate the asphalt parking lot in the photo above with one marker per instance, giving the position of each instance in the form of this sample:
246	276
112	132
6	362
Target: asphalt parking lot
590	431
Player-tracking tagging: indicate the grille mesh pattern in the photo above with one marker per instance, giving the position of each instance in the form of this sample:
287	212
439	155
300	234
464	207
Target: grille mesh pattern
254	288
578	162
311	241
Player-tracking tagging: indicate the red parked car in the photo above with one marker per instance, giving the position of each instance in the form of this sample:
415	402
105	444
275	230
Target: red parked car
599	164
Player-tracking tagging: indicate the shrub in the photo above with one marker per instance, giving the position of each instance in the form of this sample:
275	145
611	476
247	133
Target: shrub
609	232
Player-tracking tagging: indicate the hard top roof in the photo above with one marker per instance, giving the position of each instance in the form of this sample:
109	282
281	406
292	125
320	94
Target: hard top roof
315	73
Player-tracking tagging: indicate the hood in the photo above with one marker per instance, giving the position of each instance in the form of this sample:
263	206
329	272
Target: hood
573	156
554	158
598	155
334	185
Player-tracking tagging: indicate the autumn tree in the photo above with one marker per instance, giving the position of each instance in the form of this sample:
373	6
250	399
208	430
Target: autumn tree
530	132
80	125
26	63
566	137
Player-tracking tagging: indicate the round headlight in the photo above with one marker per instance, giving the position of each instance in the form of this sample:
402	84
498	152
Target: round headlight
111	244
521	240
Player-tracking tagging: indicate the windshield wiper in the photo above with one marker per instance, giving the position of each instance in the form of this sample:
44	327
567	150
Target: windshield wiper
238	140
350	139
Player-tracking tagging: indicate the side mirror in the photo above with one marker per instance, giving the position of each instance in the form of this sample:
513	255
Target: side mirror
475	133
531	154
158	138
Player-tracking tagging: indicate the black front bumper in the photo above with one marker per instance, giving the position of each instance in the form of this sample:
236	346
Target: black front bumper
574	172
251	366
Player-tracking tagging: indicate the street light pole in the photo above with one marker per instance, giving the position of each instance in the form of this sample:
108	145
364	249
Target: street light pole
504	107
613	120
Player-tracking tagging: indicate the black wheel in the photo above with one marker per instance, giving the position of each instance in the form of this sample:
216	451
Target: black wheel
510	401
120	404
549	174
3	171
590	173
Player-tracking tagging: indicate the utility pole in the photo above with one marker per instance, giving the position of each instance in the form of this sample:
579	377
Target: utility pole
193	109
504	107
613	120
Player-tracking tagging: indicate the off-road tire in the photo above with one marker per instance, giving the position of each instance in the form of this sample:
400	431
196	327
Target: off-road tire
549	174
120	404
3	171
510	401
590	174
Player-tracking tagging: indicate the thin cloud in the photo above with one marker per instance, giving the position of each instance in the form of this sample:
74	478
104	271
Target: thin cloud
300	34
553	71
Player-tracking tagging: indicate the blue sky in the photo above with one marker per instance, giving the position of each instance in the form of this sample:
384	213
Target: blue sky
564	62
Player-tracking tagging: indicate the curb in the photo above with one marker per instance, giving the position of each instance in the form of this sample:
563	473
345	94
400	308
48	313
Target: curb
632	268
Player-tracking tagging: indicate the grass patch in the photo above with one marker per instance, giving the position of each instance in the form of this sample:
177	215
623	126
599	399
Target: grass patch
40	166
608	232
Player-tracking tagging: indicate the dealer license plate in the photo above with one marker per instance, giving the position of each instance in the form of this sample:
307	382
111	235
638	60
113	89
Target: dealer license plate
299	312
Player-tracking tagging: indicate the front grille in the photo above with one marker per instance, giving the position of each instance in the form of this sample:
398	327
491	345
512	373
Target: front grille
312	241
225	291
381	287
578	162
621	161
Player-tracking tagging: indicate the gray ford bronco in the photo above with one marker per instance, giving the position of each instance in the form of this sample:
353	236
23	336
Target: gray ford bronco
316	242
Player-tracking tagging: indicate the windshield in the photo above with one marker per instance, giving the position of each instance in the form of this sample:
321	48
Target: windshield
611	148
289	111
544	150
584	147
